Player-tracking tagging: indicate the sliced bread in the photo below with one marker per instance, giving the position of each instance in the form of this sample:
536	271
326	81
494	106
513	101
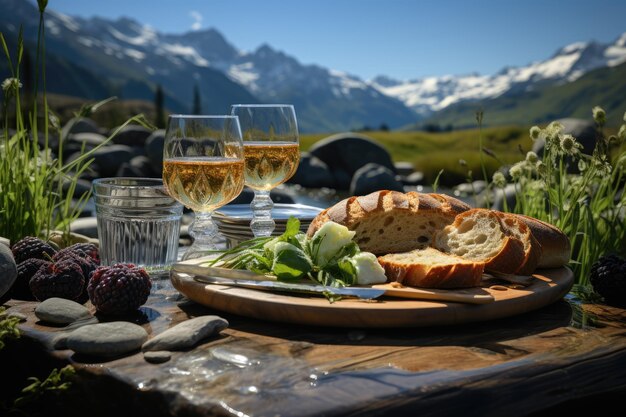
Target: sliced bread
555	245
479	235
390	221
513	226
431	268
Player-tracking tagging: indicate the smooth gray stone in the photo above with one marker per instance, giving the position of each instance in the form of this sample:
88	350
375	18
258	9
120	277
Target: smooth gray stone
61	311
107	339
60	341
186	334
374	177
158	356
8	269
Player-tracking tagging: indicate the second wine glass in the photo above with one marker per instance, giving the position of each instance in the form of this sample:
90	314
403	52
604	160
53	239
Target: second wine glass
272	154
203	169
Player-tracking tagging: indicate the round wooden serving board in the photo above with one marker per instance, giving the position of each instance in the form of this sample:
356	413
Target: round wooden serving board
549	286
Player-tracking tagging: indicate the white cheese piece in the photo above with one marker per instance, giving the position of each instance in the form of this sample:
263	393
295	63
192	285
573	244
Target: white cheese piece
368	270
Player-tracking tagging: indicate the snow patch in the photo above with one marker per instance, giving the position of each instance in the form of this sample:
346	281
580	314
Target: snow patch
67	21
52	27
187	52
135	54
244	74
145	35
576	46
88	42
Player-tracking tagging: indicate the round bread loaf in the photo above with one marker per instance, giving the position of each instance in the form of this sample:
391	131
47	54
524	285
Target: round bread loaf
555	245
390	221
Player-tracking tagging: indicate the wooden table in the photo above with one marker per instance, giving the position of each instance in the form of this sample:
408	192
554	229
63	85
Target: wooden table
516	366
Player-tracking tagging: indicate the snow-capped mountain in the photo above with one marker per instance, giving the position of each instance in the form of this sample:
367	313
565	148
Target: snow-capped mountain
130	59
430	94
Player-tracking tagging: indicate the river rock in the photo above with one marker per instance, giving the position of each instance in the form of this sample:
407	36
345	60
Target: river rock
107	339
139	166
89	139
345	153
8	269
158	356
374	177
108	159
154	149
186	334
312	172
131	135
79	125
61	311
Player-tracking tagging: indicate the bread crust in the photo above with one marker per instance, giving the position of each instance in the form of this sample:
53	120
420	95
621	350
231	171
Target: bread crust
459	273
555	245
532	248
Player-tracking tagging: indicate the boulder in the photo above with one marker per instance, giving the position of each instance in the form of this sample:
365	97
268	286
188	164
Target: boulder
345	153
131	135
108	159
90	139
139	166
154	149
414	178
82	186
79	125
374	177
312	172
404	168
8	269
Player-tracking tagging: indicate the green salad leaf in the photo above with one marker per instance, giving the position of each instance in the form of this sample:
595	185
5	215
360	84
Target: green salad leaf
292	256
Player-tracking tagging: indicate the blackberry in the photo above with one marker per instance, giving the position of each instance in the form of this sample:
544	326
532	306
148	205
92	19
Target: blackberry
31	247
85	250
119	289
86	263
25	272
63	279
608	278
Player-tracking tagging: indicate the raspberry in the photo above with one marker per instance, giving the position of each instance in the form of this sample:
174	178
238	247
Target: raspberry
63	279
119	289
84	250
608	278
31	247
25	272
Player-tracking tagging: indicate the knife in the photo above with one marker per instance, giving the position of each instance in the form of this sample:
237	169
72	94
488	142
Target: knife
362	293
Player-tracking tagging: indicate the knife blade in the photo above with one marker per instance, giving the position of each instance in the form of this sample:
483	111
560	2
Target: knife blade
362	293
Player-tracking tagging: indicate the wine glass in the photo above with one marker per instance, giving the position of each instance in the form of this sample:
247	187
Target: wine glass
272	154
203	168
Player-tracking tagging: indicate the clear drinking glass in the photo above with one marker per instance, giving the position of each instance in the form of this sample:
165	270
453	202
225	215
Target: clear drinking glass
203	169
138	222
272	154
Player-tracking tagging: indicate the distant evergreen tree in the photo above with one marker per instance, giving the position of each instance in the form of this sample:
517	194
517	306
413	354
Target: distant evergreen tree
383	127
197	105
158	105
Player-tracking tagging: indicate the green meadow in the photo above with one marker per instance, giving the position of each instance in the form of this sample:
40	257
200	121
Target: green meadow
432	152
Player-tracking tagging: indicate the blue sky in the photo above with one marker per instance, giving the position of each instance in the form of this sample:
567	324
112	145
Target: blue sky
399	38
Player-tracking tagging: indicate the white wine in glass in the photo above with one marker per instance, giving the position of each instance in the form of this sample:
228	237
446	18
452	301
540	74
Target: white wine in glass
272	153
203	168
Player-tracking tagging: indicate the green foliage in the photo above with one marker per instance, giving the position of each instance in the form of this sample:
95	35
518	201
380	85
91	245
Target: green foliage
589	206
58	380
32	178
8	327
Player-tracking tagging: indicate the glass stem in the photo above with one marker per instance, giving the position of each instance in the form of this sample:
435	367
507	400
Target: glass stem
262	223
203	231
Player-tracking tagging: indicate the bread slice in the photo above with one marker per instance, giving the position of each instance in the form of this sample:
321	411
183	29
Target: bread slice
515	227
555	245
390	221
478	235
431	268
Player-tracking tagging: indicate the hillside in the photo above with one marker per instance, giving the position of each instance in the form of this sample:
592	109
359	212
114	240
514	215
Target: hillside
605	87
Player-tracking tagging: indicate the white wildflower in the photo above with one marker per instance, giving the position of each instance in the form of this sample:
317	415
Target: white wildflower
535	132
569	146
540	167
11	85
582	165
499	180
532	157
599	115
517	170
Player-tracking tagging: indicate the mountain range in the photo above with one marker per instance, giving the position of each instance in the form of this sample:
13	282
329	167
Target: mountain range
95	58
